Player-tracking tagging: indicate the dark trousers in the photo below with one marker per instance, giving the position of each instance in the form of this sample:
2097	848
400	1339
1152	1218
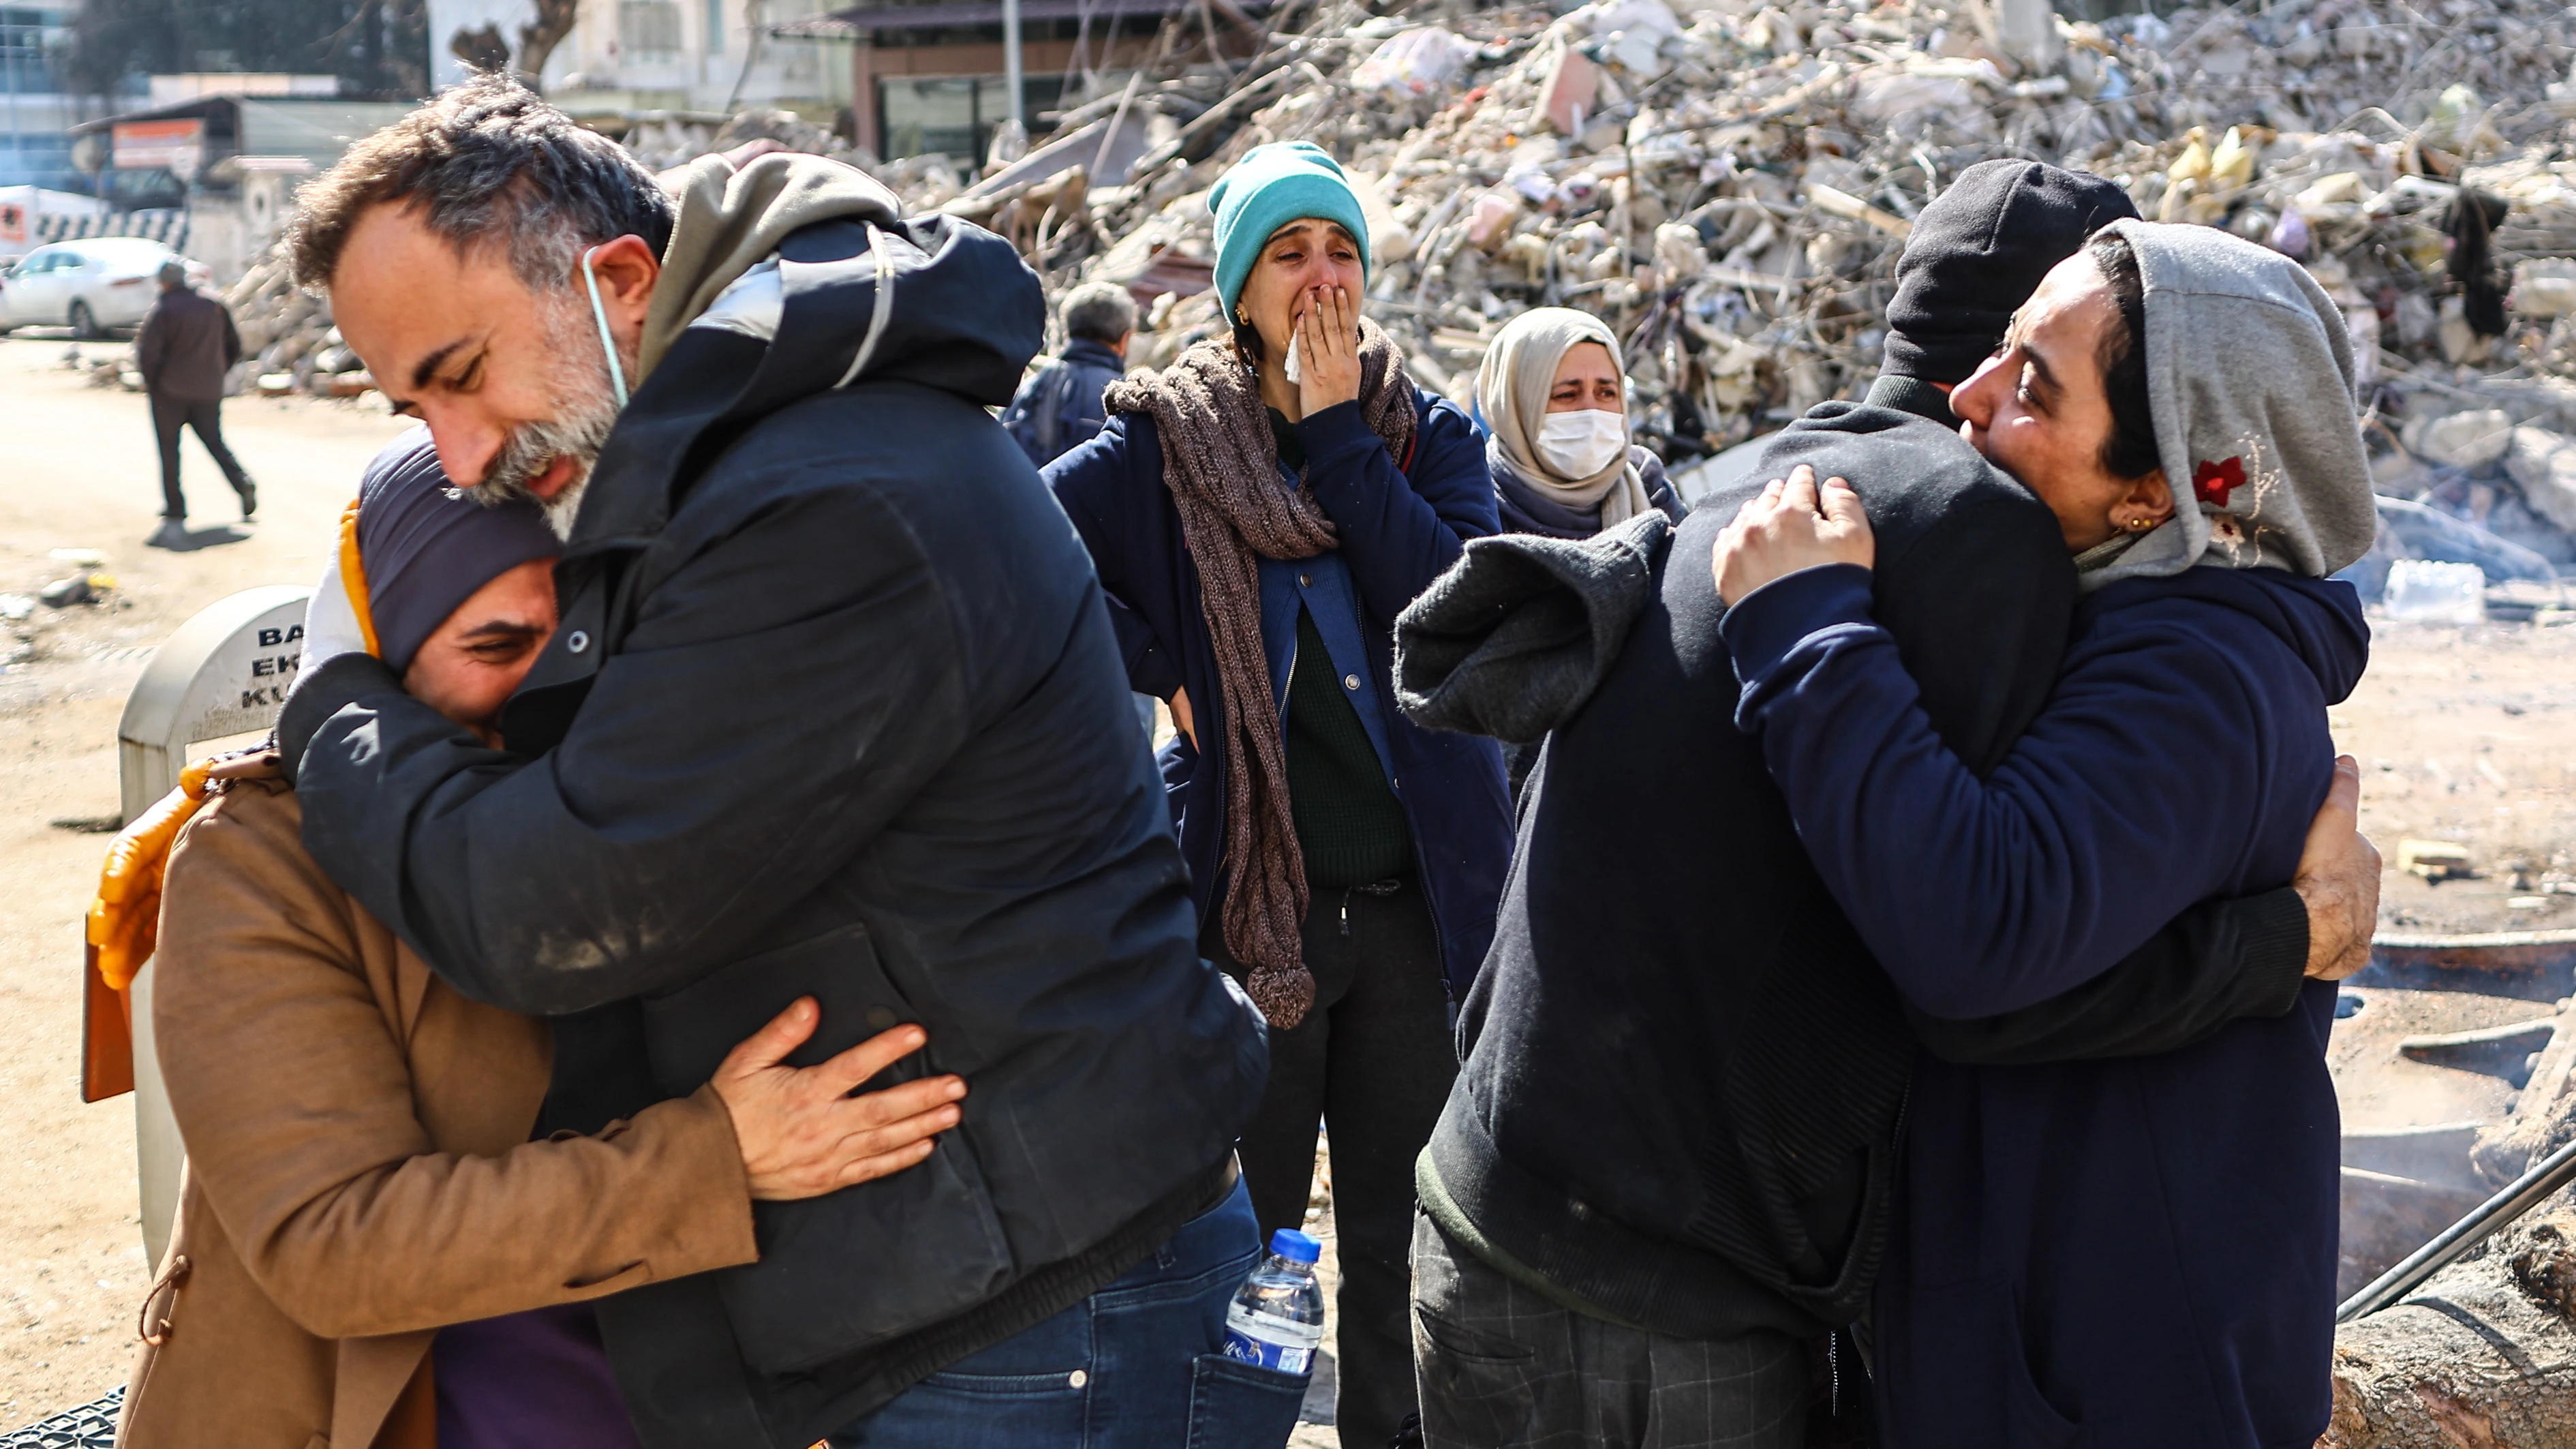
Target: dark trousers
1373	1062
169	414
1506	1367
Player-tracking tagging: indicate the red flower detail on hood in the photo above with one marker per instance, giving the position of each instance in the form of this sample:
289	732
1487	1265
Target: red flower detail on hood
2212	482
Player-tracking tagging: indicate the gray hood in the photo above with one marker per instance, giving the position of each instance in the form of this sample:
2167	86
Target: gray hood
2250	374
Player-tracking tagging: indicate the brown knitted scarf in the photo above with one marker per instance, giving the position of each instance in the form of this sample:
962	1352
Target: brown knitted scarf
1222	465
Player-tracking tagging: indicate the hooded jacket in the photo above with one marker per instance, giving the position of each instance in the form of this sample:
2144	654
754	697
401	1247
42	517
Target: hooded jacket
834	708
2182	755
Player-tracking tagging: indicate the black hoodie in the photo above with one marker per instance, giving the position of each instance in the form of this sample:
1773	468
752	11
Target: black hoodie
834	708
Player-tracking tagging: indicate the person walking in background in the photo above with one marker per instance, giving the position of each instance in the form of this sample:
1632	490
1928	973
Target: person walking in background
1259	513
186	346
1058	408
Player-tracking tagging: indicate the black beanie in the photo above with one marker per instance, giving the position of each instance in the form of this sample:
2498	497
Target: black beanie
1978	251
426	547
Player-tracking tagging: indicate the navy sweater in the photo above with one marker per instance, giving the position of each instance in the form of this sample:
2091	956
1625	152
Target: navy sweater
2139	1251
1399	529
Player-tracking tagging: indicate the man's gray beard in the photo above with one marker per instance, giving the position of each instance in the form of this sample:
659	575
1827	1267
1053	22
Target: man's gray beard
585	413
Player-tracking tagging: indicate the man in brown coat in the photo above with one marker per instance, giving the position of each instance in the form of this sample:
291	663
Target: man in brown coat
186	346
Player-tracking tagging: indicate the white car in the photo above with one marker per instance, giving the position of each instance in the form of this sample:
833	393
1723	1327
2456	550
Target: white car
89	286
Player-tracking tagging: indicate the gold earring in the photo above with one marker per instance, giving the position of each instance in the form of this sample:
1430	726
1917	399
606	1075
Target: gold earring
2141	522
1243	315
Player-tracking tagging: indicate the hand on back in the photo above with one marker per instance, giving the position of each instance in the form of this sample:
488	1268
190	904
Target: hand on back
2339	880
1791	525
803	1134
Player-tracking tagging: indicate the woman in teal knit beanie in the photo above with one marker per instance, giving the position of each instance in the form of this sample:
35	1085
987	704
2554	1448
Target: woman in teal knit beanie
1259	512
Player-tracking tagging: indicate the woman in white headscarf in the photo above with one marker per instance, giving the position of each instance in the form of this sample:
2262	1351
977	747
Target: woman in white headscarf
1554	396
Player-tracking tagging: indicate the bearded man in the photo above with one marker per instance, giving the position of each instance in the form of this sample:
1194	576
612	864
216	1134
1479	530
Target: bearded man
834	711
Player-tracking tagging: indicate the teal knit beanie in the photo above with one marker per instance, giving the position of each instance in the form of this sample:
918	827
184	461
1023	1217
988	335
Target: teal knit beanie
1270	187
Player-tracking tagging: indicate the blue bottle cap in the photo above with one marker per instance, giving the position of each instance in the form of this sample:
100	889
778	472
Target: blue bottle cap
1295	1246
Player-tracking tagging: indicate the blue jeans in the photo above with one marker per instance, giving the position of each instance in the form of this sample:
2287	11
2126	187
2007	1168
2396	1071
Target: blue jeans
1136	1364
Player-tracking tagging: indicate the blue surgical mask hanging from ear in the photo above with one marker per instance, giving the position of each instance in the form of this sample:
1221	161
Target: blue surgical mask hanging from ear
607	344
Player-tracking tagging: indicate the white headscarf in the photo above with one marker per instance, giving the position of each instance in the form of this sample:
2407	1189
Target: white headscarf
1511	391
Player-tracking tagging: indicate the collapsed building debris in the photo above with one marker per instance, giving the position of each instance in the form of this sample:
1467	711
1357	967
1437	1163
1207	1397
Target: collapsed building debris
1728	184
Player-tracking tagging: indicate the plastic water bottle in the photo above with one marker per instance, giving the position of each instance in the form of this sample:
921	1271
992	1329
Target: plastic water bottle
1278	1316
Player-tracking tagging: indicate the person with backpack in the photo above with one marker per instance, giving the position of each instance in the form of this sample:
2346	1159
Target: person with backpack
1058	408
1259	512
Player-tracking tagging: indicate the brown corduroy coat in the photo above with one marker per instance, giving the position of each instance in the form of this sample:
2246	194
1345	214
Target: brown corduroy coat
359	1172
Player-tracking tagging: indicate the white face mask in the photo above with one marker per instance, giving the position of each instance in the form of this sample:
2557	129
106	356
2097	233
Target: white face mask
1579	445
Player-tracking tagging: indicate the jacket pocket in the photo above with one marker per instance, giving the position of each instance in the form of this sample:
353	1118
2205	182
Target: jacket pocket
1954	1357
855	1268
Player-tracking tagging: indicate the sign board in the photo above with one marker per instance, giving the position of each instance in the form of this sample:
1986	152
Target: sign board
27	211
145	145
226	672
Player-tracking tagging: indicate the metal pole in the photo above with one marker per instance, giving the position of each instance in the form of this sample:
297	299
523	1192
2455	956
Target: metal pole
2496	1213
17	136
1011	60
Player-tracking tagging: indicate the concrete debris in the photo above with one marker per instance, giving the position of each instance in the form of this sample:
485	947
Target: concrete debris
285	331
1728	183
2485	1352
2435	860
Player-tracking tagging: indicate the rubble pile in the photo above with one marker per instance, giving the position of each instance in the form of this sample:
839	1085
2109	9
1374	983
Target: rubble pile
1728	183
288	342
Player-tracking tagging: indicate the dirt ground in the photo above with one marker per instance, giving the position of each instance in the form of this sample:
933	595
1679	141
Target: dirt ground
2467	735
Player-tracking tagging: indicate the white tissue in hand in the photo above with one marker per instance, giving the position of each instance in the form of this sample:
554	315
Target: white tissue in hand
1295	373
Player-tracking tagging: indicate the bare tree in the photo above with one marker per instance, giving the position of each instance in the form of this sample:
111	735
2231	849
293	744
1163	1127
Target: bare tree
481	48
539	37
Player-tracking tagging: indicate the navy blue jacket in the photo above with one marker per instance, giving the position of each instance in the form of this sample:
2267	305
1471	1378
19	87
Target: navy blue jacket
1399	530
2125	1252
1058	409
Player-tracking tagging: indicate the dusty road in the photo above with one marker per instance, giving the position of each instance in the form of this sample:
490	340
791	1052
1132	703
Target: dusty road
2464	734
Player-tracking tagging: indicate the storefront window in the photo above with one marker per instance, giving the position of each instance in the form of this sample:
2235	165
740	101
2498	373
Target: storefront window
954	115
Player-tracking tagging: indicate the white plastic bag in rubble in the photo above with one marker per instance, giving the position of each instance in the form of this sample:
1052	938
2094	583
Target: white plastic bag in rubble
1415	62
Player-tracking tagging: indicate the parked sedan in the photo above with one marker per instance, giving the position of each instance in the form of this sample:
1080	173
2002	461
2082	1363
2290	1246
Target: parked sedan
88	286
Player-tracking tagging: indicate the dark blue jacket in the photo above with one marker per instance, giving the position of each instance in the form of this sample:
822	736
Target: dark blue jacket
1058	409
2129	1252
1399	529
